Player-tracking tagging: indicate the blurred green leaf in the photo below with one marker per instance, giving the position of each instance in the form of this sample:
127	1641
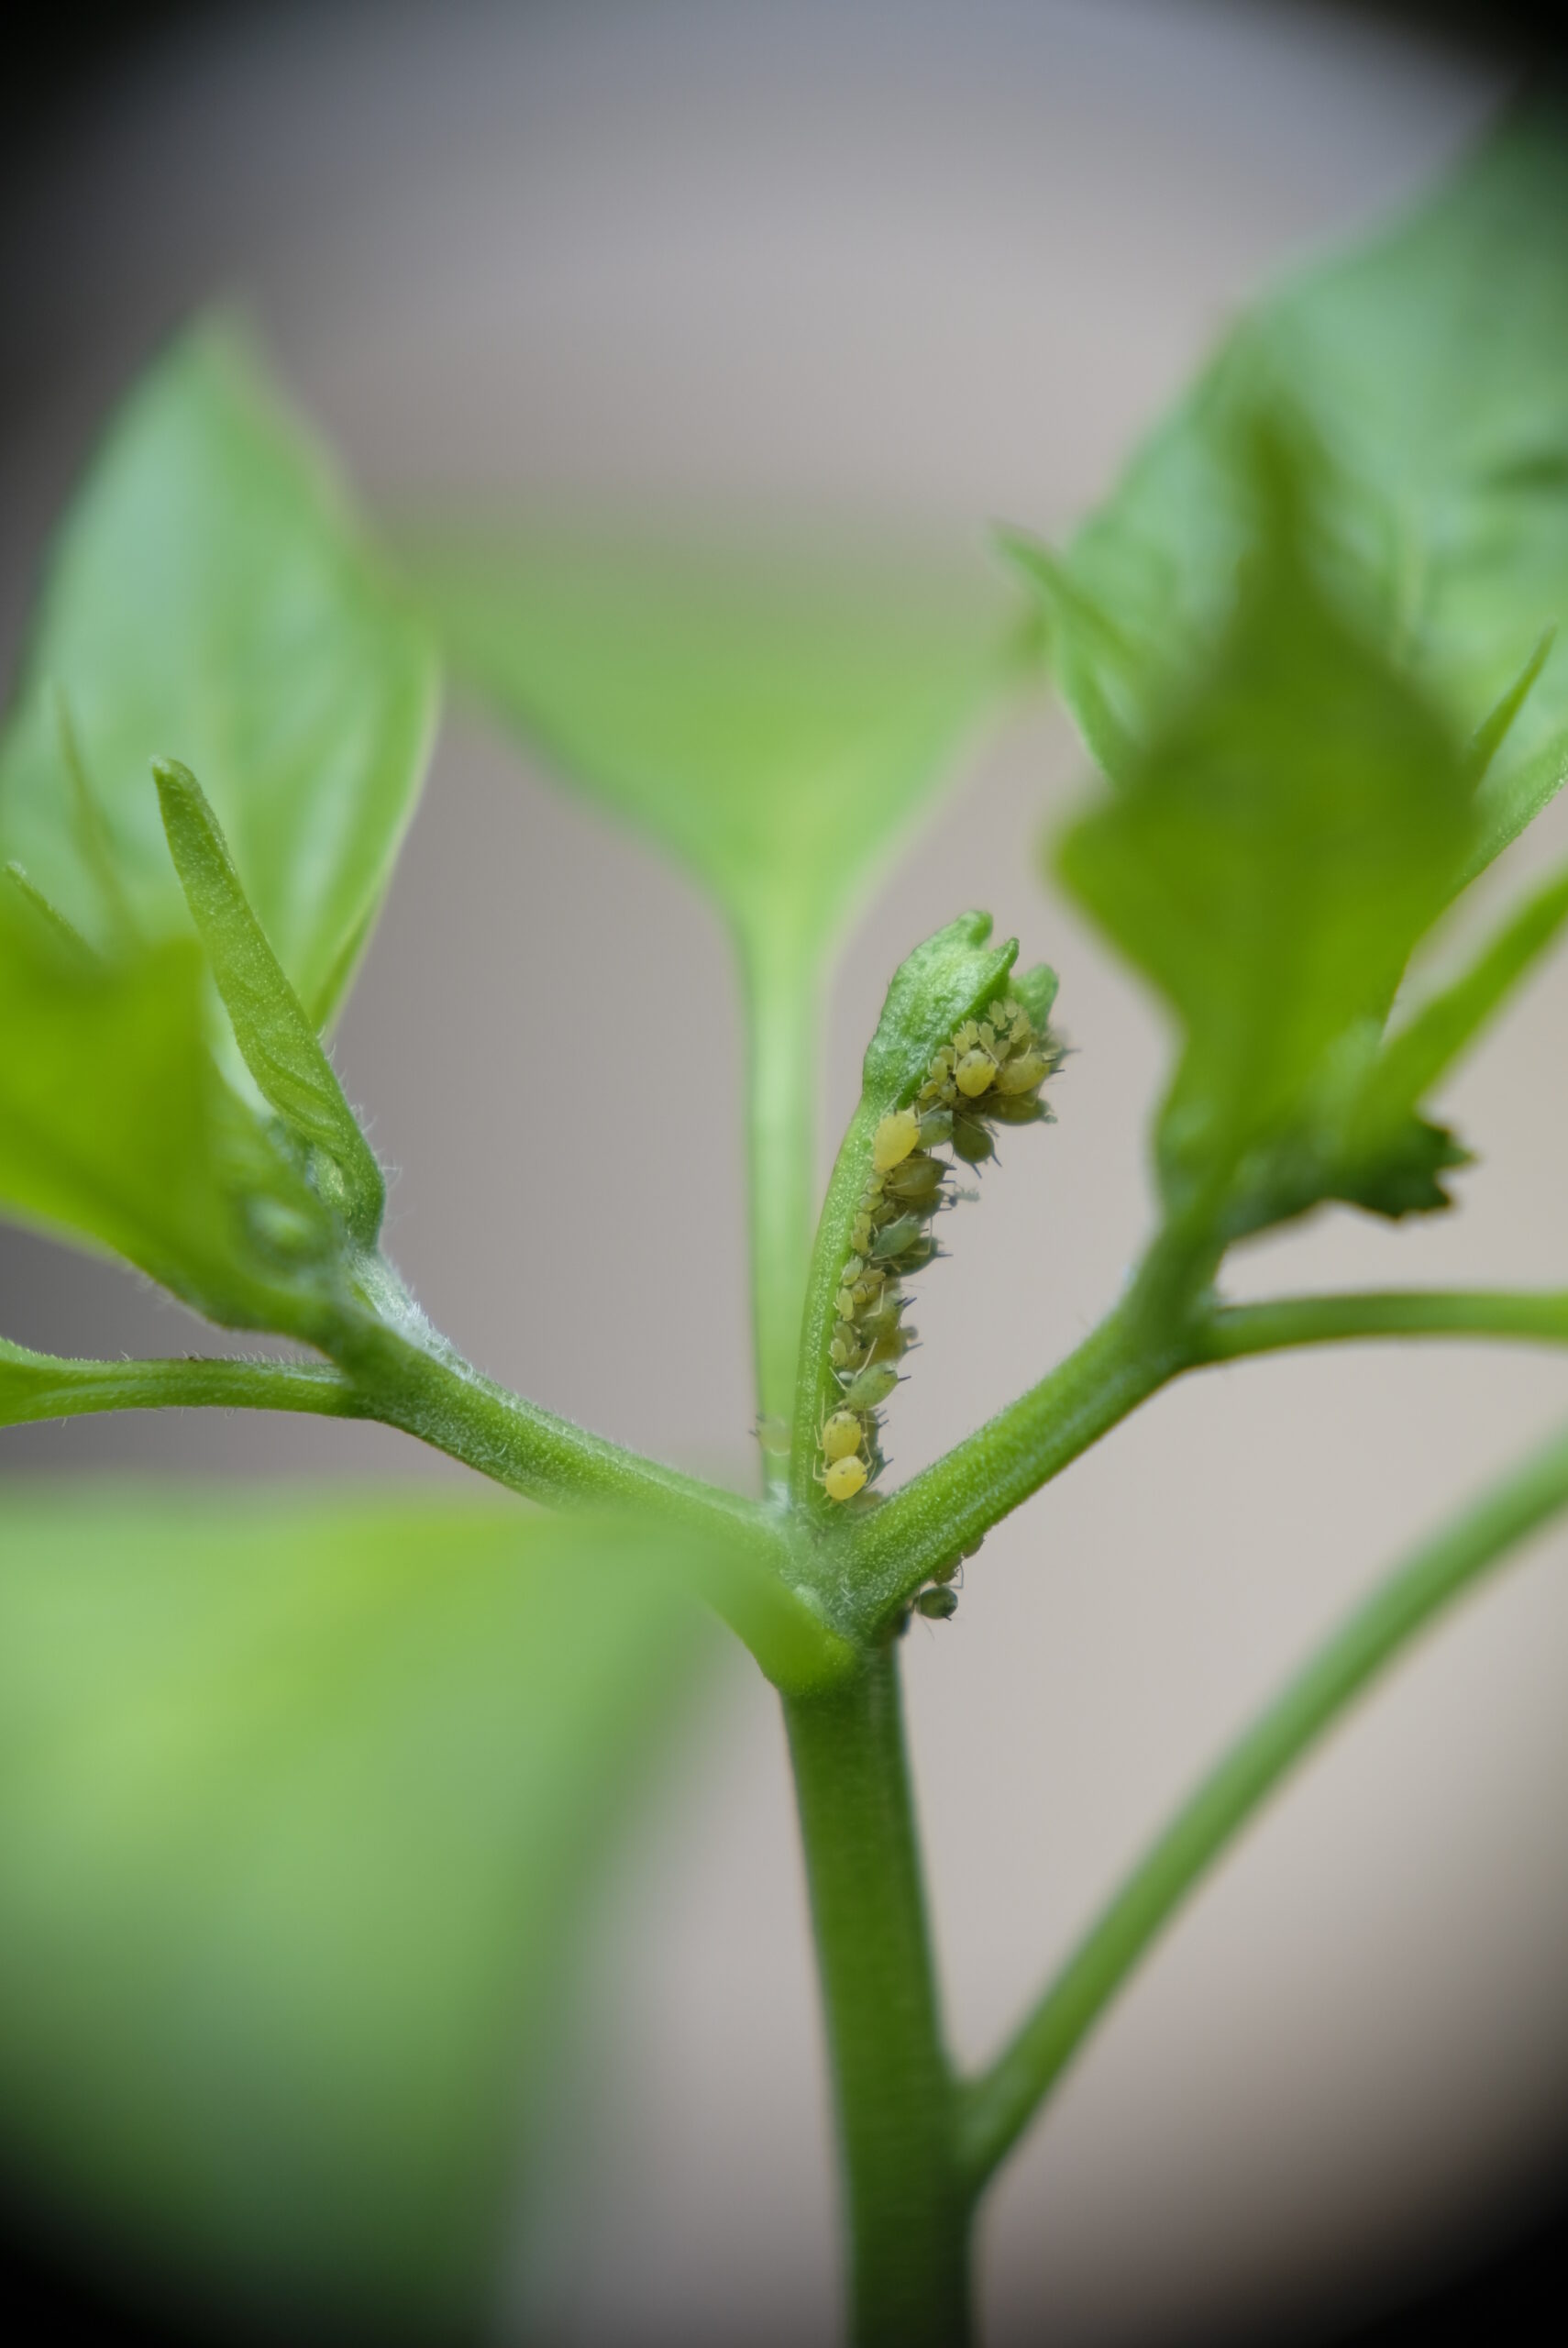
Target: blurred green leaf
773	725
116	1128
271	1025
1431	371
298	1801
210	599
1289	833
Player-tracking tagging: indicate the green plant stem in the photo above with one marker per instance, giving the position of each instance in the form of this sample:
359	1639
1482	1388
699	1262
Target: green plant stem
1235	1331
943	1513
782	1075
409	1378
1000	2105
42	1386
908	2210
740	1556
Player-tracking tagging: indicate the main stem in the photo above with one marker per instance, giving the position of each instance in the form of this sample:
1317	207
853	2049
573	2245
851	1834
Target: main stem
896	2100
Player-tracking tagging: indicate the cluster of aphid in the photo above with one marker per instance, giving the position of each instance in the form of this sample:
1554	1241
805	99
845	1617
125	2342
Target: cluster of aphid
989	1074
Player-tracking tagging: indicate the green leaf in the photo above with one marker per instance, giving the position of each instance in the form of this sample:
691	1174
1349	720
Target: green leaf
1431	371
116	1128
271	1025
774	725
210	599
299	1799
1272	857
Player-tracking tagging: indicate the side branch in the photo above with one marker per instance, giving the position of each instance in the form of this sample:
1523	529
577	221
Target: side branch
44	1386
1235	1331
406	1376
943	1513
1000	2105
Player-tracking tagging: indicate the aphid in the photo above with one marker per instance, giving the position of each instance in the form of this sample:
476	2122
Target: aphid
886	1335
1023	1074
892	1344
971	1141
844	1477
893	1139
869	1388
896	1238
989	1073
1017	1109
938	1605
843	1434
917	1183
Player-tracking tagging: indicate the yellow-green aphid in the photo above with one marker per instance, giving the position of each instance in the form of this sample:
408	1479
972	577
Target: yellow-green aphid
989	1073
843	1435
896	1238
870	1387
972	1141
882	1329
917	1183
893	1139
1023	1074
844	1477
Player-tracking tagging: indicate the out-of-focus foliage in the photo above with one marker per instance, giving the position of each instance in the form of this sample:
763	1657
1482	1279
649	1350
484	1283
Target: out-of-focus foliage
1311	638
210	599
208	593
116	1128
1430	369
773	726
1290	830
296	1802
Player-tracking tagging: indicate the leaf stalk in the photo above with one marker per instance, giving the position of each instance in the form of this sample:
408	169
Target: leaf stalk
1000	2105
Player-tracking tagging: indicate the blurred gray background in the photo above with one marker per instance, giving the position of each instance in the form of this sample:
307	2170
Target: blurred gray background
886	267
